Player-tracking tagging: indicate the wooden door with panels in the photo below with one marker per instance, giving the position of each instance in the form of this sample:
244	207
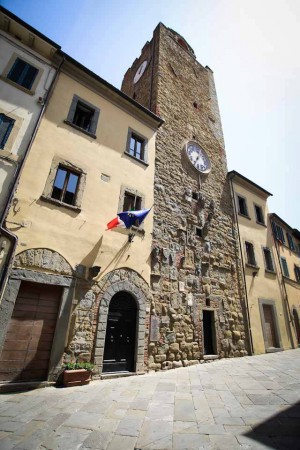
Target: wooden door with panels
28	342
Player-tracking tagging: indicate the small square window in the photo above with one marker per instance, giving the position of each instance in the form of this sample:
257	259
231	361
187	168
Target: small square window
136	146
297	273
259	214
83	116
6	125
22	73
250	254
242	205
198	232
65	185
268	259
284	266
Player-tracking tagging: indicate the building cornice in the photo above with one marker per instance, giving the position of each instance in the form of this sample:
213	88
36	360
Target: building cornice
233	174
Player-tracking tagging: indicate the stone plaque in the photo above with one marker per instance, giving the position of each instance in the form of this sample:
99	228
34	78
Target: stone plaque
181	286
188	259
189	298
154	328
165	320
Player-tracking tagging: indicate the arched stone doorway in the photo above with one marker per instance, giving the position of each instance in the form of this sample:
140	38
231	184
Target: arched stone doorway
120	339
297	325
117	285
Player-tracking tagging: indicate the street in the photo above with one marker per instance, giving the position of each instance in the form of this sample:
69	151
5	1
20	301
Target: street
249	403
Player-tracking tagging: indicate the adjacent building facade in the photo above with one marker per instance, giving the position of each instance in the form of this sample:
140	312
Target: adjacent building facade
77	291
287	248
26	75
269	316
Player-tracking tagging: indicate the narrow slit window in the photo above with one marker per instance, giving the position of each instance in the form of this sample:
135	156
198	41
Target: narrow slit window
242	206
268	259
259	214
250	254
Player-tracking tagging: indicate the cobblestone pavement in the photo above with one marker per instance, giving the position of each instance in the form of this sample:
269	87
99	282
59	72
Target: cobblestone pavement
251	403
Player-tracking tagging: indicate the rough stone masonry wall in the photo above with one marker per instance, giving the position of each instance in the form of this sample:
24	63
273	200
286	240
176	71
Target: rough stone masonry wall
190	273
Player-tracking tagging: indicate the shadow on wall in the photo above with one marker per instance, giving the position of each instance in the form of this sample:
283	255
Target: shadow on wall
281	431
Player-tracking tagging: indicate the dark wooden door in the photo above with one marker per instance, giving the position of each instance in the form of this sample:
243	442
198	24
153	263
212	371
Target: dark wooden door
270	334
28	342
120	337
297	325
208	332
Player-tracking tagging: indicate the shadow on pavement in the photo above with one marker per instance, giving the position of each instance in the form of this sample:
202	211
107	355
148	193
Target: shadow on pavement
281	431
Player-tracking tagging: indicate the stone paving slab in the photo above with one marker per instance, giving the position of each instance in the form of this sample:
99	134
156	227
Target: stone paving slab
242	403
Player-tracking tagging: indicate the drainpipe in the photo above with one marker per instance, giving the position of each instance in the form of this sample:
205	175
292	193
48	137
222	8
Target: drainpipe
242	259
13	239
286	298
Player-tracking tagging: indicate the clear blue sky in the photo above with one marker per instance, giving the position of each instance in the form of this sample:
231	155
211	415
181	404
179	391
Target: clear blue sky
251	45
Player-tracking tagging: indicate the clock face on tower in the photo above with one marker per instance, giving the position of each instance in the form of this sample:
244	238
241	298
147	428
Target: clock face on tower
140	71
198	157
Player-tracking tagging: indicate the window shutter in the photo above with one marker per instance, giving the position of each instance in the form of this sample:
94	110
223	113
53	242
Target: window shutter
6	124
274	228
29	76
95	119
285	267
16	70
72	109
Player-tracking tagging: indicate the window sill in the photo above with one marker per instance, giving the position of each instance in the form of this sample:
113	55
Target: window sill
92	135
16	85
136	159
261	223
272	272
59	203
244	215
252	266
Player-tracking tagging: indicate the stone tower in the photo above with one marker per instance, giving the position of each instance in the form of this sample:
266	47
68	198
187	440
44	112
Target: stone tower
198	309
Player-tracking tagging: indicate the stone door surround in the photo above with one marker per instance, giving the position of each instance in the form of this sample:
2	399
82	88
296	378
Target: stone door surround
138	295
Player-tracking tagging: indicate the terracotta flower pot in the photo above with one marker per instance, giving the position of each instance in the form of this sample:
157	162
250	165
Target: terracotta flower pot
77	377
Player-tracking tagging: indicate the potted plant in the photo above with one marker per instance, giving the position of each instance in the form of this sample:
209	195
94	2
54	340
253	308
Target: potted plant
77	373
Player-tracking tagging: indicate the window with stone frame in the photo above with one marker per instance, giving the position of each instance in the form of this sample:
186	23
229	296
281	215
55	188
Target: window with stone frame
259	214
23	73
242	206
6	125
250	255
269	265
284	266
83	116
65	185
131	200
136	146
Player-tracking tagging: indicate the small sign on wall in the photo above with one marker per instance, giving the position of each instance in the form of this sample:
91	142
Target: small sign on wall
154	328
